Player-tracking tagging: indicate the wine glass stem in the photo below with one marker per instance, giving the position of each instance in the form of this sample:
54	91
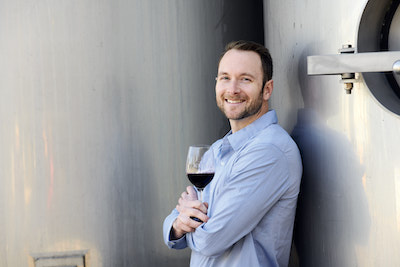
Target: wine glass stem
200	194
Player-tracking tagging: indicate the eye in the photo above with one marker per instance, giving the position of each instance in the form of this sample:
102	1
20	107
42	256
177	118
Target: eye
246	79
223	78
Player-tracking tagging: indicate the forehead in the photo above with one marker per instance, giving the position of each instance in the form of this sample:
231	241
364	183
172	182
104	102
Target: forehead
240	61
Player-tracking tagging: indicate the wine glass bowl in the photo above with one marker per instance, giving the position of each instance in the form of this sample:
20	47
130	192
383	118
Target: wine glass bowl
200	167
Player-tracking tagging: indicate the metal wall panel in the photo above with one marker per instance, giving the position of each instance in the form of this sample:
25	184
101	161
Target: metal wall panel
349	212
99	100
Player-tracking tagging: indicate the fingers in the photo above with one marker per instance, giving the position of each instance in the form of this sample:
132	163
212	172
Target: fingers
193	204
186	223
194	209
191	192
189	199
179	228
188	206
186	196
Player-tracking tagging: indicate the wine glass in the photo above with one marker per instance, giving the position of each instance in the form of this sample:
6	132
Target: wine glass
200	167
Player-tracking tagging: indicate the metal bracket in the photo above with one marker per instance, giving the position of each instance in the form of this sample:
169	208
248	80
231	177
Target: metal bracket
348	79
347	63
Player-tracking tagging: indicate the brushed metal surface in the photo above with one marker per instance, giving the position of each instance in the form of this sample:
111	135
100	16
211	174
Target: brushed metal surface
349	208
99	101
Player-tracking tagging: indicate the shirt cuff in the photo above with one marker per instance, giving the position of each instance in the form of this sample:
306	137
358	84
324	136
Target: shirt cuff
178	243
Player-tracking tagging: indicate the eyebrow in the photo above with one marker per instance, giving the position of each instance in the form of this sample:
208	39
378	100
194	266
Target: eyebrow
242	74
222	73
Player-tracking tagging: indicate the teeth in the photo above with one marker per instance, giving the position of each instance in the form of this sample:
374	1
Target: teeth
234	101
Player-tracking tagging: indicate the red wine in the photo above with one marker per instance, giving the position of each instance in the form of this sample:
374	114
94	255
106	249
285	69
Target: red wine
200	180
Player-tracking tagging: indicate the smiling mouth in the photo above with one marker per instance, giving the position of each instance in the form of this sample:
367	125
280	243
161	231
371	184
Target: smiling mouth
234	101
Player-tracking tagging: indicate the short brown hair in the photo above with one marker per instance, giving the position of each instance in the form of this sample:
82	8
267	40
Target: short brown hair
265	56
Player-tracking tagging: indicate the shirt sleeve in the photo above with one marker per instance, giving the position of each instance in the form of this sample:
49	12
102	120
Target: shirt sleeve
167	227
258	179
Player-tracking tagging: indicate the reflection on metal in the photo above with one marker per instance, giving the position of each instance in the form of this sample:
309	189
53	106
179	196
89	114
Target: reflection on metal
396	67
349	209
99	101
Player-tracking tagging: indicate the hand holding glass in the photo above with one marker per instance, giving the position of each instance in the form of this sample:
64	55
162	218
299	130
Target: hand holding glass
200	168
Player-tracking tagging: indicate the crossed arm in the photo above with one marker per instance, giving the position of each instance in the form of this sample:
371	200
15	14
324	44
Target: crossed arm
254	187
188	206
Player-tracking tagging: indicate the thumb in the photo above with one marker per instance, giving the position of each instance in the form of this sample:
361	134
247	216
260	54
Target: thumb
192	194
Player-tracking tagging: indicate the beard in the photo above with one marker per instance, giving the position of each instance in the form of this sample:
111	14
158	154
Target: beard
252	108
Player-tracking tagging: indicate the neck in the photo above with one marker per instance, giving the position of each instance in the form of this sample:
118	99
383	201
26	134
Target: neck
237	125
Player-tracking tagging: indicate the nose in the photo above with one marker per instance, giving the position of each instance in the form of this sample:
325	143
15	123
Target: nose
233	87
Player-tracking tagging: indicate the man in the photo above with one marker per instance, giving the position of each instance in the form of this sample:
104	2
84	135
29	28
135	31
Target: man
249	206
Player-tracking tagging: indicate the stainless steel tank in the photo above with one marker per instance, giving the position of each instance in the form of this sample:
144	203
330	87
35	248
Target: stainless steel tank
336	91
99	101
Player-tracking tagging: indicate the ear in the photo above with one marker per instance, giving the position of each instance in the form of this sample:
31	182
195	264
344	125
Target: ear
268	88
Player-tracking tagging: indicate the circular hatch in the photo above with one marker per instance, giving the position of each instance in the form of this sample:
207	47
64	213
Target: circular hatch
394	38
380	31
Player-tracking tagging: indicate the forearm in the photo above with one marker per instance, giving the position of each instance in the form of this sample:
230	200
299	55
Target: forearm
176	233
171	239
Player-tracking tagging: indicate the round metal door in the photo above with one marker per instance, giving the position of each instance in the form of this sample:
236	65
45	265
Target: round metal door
379	31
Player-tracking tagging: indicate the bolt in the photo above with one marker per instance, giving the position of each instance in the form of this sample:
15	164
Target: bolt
396	67
348	87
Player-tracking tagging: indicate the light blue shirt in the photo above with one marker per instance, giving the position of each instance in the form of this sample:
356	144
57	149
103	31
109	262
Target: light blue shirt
252	200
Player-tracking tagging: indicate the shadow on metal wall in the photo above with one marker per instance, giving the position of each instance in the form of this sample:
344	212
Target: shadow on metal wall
332	214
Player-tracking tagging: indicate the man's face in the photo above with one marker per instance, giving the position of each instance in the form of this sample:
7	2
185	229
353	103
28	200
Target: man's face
239	85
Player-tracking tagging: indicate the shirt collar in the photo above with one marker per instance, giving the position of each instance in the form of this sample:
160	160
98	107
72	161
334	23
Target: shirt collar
239	138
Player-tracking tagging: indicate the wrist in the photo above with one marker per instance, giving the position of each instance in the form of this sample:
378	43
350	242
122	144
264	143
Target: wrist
175	233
